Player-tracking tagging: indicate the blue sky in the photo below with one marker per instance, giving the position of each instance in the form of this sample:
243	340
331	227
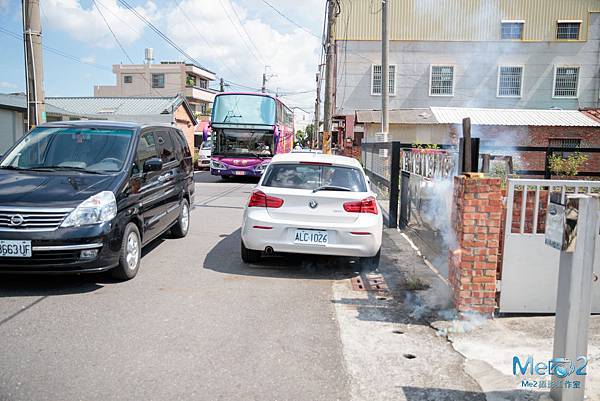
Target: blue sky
234	38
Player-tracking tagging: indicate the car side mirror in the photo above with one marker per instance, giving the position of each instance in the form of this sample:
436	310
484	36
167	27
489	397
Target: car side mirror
154	164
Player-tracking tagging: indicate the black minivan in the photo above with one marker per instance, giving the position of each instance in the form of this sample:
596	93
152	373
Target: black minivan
86	196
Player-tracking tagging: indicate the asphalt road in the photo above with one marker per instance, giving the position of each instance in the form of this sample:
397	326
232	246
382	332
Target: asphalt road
195	324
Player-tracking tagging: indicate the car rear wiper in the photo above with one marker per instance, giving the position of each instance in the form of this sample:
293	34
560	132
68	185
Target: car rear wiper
72	168
331	188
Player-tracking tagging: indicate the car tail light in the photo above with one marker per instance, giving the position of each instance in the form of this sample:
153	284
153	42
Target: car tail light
367	205
260	199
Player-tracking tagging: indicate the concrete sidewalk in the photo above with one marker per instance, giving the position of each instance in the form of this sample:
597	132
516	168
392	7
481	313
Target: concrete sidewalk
406	344
390	350
489	346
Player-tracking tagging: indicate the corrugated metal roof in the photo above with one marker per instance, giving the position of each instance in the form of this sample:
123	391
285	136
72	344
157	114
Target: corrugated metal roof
398	116
523	117
117	105
460	20
19	101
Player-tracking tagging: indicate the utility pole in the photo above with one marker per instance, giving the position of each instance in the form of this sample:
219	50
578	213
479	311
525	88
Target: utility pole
222	85
332	12
265	79
385	69
34	69
315	136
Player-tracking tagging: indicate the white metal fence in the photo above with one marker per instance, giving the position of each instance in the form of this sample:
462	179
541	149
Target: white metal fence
529	277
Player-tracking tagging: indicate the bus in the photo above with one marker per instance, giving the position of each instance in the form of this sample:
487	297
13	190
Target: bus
247	130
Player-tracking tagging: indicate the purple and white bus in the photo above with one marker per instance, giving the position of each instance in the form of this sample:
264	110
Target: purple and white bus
247	130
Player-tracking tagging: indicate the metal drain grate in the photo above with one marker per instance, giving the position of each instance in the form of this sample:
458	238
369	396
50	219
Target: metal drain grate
369	282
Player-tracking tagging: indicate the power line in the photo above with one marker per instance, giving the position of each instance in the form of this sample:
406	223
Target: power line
174	45
59	52
113	33
161	34
246	32
193	25
289	19
259	59
118	17
123	48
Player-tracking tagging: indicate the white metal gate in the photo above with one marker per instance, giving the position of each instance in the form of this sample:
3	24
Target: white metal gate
529	278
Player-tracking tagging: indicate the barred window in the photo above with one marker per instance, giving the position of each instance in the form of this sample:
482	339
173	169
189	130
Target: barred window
564	142
566	80
377	82
512	30
442	80
568	30
158	80
574	143
510	80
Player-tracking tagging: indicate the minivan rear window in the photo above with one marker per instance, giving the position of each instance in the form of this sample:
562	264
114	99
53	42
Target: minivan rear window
91	149
312	176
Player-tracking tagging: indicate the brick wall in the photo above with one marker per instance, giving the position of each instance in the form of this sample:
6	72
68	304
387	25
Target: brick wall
184	123
477	220
534	136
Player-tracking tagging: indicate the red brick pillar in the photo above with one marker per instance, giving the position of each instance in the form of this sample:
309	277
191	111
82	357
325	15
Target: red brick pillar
476	217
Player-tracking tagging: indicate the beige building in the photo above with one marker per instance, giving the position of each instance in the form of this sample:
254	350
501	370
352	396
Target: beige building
166	79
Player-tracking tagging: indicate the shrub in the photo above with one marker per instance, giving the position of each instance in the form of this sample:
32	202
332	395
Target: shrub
567	166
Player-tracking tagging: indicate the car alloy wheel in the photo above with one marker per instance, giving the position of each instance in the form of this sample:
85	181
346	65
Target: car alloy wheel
185	217
133	250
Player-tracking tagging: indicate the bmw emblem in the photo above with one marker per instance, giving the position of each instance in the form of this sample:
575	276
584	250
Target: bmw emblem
313	204
16	220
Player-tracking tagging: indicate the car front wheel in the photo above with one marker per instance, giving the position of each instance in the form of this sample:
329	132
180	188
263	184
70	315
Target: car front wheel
131	253
181	228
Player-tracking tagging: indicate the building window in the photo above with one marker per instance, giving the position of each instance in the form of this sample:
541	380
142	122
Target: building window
442	80
566	82
377	82
568	30
512	30
510	80
203	83
203	108
158	80
127	79
190	80
574	143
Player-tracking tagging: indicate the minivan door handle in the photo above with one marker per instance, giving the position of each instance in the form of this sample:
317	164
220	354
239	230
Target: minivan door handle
164	177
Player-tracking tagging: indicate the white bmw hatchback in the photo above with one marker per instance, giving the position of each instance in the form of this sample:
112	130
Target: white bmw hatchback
310	203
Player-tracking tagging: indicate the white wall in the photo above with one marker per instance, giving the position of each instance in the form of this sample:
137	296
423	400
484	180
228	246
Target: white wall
11	128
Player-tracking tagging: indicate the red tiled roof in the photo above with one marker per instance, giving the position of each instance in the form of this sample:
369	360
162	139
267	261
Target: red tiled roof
594	113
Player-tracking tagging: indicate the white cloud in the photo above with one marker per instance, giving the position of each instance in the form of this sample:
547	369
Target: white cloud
87	25
88	59
3	6
7	85
292	54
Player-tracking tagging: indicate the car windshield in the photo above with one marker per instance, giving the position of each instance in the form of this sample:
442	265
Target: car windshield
315	177
244	143
82	149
